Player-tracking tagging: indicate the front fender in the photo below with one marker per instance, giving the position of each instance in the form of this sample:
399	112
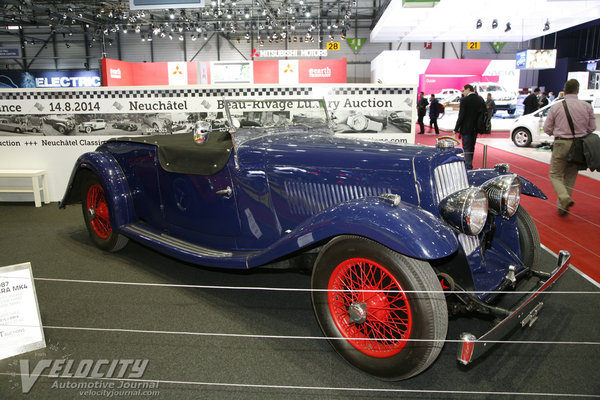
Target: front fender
478	176
405	228
112	179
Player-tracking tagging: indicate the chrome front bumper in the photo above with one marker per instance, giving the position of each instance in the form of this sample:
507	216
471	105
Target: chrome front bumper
525	313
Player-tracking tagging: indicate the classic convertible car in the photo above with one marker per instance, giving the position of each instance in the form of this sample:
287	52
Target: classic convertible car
391	226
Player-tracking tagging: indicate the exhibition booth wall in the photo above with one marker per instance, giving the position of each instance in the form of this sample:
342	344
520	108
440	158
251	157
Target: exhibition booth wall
49	129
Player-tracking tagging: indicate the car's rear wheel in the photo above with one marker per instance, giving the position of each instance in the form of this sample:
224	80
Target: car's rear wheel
529	239
383	312
96	212
521	137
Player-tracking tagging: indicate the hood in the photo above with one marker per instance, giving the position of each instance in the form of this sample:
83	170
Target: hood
328	151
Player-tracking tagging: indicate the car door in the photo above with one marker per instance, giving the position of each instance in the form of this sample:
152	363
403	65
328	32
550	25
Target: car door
199	204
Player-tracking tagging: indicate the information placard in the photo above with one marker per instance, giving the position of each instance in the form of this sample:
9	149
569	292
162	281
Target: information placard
20	324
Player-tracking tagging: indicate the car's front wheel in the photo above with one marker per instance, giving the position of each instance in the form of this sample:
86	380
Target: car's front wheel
383	312
96	213
521	137
529	239
88	129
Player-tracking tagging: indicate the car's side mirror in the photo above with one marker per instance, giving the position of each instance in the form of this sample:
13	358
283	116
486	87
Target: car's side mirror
201	131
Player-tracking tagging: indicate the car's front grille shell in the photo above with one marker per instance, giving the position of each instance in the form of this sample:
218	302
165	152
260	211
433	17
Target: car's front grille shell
450	178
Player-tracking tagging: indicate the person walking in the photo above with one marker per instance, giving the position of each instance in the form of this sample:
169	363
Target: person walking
421	111
531	102
564	128
471	106
434	113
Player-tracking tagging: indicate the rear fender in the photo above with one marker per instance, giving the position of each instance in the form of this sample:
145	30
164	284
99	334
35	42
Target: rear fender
406	229
478	176
112	179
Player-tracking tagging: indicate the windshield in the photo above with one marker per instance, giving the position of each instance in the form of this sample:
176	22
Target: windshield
492	88
256	118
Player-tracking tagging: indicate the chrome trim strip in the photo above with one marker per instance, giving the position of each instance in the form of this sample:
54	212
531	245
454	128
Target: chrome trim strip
174	242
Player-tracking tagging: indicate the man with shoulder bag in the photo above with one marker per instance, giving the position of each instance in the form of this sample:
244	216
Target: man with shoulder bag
568	121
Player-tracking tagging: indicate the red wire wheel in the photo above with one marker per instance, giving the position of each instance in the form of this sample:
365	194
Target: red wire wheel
369	307
382	311
98	211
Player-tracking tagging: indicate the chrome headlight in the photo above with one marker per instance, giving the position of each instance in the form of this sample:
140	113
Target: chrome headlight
504	194
466	210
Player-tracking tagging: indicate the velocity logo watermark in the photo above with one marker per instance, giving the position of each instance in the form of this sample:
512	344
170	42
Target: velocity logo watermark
110	375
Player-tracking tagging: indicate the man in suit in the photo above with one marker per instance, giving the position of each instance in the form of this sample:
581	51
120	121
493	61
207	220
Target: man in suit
471	105
531	102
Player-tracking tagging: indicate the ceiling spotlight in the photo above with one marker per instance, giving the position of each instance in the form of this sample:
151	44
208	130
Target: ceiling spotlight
180	37
68	45
193	37
507	27
205	36
149	38
171	13
247	36
479	24
547	26
494	24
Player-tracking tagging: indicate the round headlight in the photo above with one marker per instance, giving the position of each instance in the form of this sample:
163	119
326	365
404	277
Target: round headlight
504	194
466	210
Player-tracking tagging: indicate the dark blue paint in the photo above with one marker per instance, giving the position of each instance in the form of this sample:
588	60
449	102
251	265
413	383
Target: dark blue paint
294	192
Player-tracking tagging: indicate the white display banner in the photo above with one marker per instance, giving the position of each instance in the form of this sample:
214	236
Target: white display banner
20	324
49	129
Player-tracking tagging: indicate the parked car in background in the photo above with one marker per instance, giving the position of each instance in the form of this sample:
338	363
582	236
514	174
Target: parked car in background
504	99
7	125
158	123
529	129
125	125
446	93
93	125
63	125
388	227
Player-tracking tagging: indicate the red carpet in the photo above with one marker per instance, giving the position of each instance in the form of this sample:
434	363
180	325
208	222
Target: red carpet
579	232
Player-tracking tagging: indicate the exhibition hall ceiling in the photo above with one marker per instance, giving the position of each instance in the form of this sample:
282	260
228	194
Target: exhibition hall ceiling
263	19
307	20
473	20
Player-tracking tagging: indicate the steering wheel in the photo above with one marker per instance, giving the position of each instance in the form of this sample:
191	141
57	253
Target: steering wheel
448	137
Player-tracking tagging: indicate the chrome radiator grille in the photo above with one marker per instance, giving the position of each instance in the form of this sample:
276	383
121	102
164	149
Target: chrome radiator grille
450	178
310	198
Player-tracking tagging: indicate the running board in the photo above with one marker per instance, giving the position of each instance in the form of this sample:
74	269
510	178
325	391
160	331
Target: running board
184	250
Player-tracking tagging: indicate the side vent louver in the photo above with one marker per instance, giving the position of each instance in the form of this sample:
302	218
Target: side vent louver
310	198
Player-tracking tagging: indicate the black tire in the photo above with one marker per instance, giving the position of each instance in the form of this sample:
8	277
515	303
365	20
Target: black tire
88	129
420	314
529	239
61	129
96	213
17	130
521	137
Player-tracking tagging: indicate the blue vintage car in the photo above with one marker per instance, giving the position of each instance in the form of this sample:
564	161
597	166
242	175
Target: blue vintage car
400	234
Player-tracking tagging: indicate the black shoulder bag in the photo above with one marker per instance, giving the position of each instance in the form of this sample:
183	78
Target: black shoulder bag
575	155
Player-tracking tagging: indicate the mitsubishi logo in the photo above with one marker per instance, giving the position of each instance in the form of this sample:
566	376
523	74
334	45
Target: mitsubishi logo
288	69
254	53
177	71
